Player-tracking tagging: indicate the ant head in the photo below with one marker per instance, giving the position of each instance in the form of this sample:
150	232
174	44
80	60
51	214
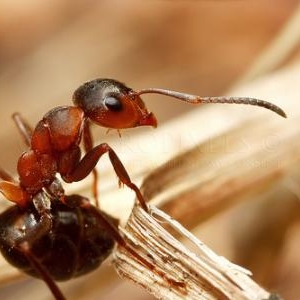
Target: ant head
111	104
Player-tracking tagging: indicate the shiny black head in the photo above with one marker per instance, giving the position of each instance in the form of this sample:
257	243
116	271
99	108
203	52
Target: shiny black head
110	103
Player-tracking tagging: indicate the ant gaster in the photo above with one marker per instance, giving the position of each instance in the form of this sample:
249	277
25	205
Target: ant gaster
66	241
31	231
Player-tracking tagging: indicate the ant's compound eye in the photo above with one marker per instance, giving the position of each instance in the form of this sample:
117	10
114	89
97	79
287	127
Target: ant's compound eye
113	103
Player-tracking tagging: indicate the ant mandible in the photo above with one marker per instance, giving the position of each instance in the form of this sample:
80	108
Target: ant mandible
54	143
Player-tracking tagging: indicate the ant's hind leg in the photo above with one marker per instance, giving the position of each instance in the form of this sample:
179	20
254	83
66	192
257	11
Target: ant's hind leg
23	127
89	161
39	268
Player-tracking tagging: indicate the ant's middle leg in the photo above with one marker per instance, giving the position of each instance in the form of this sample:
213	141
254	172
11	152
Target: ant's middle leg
89	161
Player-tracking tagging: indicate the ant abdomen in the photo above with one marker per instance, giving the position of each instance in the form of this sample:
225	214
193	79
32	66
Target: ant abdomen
74	244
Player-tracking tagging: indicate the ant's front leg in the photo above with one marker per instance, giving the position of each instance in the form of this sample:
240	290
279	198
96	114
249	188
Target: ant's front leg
89	161
88	146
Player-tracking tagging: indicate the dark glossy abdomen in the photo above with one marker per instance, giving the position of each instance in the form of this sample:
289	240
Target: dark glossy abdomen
76	244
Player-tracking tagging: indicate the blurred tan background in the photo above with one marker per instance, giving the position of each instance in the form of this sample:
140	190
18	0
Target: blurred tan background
47	49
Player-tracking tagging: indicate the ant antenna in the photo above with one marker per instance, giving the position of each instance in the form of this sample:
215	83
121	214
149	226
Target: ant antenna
194	99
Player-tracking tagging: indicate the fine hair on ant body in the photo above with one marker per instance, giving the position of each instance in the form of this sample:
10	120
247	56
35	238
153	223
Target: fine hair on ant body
32	229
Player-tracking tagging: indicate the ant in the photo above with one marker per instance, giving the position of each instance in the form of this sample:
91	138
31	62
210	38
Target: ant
37	222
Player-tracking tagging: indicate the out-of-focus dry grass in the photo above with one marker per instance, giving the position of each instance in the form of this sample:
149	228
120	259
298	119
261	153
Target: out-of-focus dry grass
203	47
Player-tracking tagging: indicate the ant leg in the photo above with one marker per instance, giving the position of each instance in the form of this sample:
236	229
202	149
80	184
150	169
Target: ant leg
89	161
24	247
23	127
88	146
11	189
13	192
42	205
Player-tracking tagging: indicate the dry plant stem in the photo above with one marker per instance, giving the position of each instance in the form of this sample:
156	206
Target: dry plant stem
212	176
178	272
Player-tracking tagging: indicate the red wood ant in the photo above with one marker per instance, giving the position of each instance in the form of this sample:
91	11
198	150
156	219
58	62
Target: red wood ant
33	231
